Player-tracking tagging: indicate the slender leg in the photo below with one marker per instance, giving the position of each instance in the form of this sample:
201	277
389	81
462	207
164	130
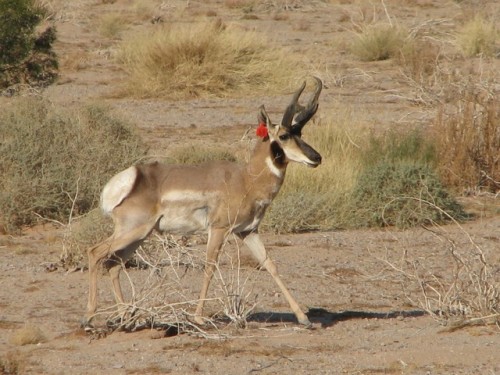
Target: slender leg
215	240
123	246
255	244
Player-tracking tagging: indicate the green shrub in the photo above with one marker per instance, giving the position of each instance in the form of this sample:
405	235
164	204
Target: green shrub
401	194
49	158
25	57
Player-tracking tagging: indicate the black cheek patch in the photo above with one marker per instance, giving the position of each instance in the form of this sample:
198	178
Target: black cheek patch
277	153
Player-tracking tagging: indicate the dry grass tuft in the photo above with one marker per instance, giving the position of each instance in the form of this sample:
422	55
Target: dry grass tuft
203	60
29	334
478	37
378	41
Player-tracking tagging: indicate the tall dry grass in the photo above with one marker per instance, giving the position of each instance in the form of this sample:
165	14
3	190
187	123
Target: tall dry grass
467	135
207	59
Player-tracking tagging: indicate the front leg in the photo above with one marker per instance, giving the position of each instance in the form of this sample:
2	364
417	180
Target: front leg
258	250
216	239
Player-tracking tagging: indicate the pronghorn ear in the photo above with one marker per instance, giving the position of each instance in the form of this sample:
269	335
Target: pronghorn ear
266	127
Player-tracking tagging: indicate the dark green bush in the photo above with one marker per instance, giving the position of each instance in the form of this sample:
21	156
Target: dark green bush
25	56
402	194
48	159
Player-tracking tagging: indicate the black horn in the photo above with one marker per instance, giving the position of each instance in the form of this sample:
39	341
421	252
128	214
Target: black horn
292	108
306	113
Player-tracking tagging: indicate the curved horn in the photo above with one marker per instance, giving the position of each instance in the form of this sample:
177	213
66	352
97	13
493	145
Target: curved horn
305	115
291	110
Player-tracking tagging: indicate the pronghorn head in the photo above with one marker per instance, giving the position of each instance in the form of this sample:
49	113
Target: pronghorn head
286	142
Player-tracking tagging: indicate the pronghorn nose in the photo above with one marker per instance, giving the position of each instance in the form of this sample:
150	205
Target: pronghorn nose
317	158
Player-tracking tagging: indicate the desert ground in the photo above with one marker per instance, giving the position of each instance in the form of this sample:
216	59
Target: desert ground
364	321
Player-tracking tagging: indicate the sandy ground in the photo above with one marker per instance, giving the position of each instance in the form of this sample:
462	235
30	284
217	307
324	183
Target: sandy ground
363	322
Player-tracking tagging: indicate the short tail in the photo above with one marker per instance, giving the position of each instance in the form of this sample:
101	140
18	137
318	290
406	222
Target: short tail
118	188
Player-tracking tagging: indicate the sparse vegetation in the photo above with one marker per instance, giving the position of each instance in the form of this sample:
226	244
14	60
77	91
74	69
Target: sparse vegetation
54	163
202	60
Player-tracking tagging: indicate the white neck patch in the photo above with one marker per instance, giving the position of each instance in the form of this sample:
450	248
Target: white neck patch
273	168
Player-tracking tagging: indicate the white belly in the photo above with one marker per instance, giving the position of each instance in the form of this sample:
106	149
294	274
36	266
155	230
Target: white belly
185	212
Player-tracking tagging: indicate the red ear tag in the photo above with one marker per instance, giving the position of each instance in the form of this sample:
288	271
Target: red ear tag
262	130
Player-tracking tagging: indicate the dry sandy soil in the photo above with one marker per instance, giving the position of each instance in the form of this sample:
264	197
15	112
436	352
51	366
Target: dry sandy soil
363	322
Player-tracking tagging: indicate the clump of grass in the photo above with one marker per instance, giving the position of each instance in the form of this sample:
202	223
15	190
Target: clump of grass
478	37
54	163
419	60
29	334
202	60
468	140
378	41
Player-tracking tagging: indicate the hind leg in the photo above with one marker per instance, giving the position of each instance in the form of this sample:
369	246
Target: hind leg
121	245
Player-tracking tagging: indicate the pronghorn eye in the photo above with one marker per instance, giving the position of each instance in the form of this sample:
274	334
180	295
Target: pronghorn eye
284	137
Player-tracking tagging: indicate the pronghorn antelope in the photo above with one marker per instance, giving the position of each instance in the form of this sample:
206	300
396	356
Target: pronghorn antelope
218	197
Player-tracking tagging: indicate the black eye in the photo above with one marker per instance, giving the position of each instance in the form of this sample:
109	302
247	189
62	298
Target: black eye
284	137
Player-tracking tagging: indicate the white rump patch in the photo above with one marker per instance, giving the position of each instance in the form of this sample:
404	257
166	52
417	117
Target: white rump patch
117	189
273	168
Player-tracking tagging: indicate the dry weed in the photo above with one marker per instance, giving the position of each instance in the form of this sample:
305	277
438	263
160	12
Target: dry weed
161	301
465	292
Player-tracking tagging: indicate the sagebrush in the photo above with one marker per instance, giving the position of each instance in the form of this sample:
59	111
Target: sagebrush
54	162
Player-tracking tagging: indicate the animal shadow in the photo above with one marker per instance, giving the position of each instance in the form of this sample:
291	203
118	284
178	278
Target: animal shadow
327	318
